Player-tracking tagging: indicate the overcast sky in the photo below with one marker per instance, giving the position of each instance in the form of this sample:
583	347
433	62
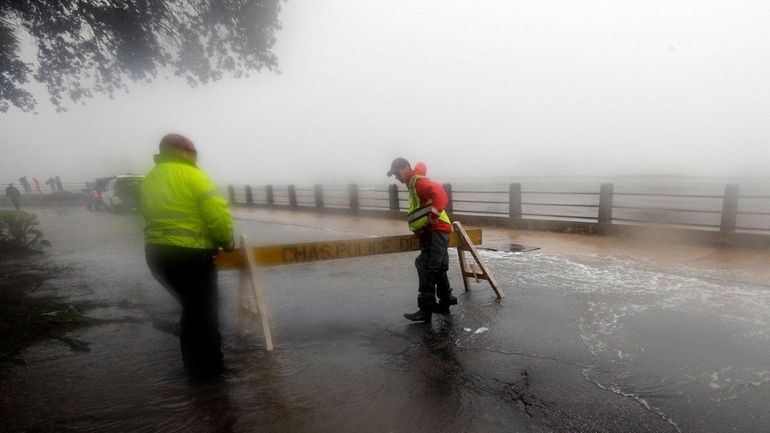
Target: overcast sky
473	88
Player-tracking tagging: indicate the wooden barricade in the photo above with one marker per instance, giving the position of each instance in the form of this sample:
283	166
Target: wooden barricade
249	259
477	270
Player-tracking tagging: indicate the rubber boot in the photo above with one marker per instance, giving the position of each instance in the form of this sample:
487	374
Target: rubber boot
426	304
419	316
445	301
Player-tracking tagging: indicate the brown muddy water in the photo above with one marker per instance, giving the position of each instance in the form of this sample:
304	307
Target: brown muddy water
593	344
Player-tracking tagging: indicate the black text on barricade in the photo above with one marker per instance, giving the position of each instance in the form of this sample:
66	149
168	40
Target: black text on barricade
341	249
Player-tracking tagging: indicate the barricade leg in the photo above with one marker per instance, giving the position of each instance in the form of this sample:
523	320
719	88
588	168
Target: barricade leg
467	245
463	267
256	287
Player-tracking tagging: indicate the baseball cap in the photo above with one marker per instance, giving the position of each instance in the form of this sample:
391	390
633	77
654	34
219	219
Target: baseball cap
397	165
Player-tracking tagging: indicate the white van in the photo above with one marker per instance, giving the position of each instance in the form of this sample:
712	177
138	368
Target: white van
122	192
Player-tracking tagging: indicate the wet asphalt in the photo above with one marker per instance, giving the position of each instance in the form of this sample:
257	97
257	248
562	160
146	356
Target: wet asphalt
594	343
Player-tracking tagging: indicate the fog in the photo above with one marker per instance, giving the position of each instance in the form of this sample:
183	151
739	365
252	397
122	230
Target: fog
494	88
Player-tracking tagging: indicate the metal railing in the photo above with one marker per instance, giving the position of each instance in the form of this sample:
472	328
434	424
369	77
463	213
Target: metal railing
728	213
755	216
73	187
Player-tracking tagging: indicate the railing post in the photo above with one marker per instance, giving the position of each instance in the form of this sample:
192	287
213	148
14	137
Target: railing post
269	197
393	196
353	196
730	209
514	202
605	203
319	196
249	197
450	203
292	196
231	194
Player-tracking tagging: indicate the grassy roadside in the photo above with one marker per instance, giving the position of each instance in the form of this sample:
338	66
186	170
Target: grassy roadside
26	317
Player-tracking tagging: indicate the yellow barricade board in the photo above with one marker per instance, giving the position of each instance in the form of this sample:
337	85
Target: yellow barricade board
329	250
248	259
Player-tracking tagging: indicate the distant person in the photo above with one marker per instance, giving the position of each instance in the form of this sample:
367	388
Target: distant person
52	183
428	220
14	195
25	184
88	197
37	185
186	222
59	186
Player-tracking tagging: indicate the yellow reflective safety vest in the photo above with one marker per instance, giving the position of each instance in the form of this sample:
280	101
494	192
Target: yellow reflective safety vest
418	217
181	207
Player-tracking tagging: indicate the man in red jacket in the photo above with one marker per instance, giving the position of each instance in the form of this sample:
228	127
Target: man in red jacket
428	220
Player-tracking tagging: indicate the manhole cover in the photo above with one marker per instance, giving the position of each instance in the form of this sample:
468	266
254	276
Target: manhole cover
513	248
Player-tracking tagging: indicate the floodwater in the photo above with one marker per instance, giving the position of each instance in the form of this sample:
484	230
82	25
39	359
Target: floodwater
587	344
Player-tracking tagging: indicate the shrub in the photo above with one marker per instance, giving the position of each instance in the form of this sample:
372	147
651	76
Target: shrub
19	232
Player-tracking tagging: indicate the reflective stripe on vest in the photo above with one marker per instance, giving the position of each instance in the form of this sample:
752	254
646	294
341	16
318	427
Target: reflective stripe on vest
419	213
183	233
418	217
167	214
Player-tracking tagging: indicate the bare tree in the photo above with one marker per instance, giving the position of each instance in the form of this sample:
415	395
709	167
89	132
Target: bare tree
92	47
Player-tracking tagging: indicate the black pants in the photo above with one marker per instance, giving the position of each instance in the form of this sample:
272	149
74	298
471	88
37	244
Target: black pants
190	276
432	265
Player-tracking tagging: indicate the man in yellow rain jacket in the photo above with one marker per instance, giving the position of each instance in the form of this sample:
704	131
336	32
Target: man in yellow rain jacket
186	222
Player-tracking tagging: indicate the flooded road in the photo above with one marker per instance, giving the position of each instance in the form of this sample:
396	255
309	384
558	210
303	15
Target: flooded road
580	344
